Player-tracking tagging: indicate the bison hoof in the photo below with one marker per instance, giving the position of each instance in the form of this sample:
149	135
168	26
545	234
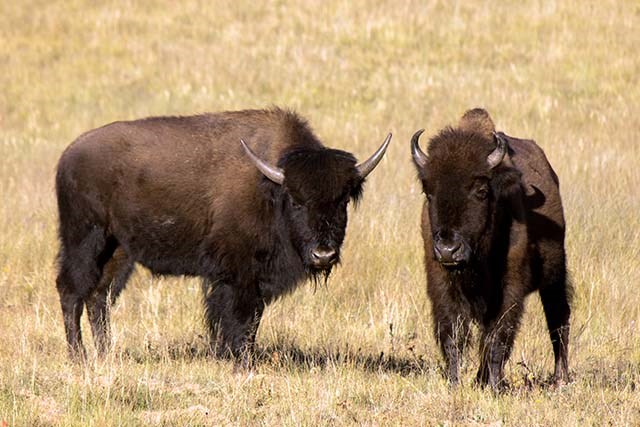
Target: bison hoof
559	381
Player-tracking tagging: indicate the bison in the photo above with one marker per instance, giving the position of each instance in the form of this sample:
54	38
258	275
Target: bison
493	230
250	201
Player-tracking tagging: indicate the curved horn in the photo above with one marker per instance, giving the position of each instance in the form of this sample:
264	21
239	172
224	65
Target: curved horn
497	155
418	155
275	174
370	164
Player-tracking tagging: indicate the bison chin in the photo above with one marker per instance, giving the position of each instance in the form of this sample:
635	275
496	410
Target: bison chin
319	275
319	262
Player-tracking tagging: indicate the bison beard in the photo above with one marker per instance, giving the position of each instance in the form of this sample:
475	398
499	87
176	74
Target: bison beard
250	201
493	230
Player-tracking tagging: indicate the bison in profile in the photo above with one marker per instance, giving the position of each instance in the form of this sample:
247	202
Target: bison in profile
251	201
493	230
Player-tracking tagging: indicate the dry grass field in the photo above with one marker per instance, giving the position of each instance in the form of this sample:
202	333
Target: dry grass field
360	351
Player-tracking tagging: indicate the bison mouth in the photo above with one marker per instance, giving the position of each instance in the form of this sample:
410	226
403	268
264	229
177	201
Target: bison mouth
453	265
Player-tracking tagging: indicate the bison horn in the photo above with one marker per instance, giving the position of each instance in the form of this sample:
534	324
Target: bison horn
418	155
497	155
275	174
370	164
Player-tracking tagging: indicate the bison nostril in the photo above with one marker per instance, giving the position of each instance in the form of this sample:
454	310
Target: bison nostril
455	247
436	249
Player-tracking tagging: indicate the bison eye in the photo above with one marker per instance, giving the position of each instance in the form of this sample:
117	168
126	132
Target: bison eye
429	196
482	193
296	205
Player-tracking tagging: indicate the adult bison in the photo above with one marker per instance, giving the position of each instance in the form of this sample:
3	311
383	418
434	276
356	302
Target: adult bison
251	201
493	231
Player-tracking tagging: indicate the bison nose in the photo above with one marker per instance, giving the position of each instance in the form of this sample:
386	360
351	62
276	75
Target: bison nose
323	257
450	253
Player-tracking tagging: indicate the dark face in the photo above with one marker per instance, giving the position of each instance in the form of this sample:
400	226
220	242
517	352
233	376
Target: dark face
462	190
459	213
318	187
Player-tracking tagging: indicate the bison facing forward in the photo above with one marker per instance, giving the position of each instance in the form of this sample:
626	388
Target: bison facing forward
184	196
493	231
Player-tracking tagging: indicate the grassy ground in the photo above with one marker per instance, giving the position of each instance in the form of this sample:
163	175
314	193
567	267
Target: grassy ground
359	352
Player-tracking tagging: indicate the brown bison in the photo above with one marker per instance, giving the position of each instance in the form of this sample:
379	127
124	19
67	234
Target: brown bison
493	231
251	201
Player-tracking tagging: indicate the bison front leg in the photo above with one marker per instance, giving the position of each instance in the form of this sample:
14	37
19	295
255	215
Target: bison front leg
496	344
233	315
502	321
452	334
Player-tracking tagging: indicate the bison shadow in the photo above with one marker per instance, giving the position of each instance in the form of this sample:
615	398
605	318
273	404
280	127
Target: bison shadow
289	355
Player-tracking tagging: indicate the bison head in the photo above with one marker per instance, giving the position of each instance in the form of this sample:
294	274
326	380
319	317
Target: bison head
466	176
317	185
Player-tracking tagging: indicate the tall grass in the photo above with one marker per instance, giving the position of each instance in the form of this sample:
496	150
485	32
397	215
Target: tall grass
360	351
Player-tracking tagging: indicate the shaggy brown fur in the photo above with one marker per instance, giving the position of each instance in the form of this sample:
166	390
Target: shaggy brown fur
492	235
180	196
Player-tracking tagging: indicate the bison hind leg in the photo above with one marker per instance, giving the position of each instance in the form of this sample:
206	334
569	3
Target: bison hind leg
72	306
556	300
78	275
115	273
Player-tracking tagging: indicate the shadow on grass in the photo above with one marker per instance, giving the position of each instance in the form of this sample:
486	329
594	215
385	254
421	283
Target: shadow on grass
622	377
290	356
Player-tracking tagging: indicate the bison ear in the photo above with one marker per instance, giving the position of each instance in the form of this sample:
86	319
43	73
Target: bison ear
356	192
509	192
477	121
506	182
